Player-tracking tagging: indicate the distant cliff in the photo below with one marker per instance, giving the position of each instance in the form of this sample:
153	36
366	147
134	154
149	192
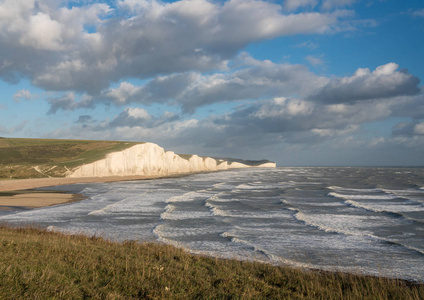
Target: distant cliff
149	159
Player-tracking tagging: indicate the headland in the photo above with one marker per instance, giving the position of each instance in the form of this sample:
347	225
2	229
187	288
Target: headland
27	164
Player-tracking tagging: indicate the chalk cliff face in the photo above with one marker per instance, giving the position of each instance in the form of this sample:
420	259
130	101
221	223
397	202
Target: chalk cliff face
152	160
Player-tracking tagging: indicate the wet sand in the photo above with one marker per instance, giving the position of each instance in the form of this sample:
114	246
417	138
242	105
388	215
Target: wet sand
25	184
16	194
34	200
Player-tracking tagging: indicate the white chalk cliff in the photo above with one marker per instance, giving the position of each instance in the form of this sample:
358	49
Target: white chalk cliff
149	159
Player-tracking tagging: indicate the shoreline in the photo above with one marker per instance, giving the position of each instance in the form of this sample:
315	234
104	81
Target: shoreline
34	183
35	199
22	193
65	181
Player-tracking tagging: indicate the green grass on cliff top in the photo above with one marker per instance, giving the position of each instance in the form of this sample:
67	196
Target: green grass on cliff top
36	158
18	157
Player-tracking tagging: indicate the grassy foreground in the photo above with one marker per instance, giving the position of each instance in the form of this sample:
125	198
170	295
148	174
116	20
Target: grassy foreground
36	264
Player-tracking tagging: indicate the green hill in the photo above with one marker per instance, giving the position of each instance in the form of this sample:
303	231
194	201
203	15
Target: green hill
37	158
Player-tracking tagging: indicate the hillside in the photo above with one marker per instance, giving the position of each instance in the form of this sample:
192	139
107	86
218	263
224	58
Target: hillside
38	158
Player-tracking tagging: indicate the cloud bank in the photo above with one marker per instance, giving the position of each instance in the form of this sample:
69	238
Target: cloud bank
179	74
85	48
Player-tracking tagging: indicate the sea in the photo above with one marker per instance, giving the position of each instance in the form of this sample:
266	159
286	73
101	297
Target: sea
348	219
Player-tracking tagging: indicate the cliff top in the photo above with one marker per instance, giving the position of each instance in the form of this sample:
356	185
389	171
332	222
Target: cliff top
39	158
36	158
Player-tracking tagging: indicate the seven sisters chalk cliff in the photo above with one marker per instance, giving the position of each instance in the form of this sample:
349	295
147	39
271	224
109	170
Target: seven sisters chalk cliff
149	159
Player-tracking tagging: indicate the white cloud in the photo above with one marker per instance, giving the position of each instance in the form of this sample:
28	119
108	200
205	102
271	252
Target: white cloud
123	92
43	33
51	45
419	129
258	79
330	4
280	107
308	44
329	133
68	101
295	4
23	94
264	124
418	13
313	60
254	80
138	113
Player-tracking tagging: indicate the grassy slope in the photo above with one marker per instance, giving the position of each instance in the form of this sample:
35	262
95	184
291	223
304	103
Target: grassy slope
18	157
37	158
36	264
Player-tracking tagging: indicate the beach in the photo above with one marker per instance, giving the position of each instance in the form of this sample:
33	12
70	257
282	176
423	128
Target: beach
17	192
36	200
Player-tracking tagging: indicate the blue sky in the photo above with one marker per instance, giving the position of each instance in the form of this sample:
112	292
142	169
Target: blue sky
299	82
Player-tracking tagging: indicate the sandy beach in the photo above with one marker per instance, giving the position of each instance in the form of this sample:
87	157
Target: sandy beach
34	200
39	199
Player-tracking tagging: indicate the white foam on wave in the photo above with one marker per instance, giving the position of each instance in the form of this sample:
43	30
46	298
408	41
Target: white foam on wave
186	197
314	204
409	194
158	231
260	250
168	211
221	185
363	197
173	213
134	204
191	196
260	186
168	231
218	197
217	211
249	186
405	191
334	224
332	220
339	188
386	207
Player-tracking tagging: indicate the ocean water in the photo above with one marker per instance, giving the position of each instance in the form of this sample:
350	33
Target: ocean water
361	220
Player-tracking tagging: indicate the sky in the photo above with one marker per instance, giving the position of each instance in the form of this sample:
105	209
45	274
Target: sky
298	82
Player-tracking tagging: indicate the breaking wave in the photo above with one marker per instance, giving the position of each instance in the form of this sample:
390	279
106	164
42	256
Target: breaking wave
301	217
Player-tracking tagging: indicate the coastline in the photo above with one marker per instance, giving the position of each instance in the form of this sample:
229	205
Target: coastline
35	199
19	192
34	183
109	179
22	193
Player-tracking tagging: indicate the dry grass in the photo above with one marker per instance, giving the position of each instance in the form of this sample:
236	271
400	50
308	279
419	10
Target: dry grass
36	264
